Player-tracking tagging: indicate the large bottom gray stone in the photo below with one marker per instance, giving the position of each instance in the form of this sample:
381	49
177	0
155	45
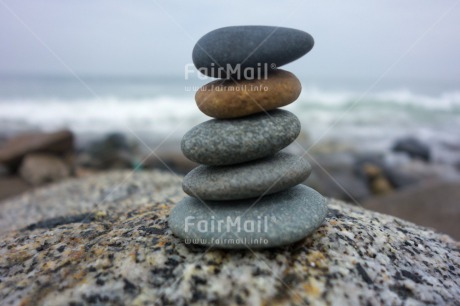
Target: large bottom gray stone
247	180
275	220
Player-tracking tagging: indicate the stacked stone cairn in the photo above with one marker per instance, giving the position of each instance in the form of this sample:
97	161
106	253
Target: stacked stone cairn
246	193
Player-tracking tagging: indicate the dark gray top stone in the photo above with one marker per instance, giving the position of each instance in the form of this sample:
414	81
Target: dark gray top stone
249	46
247	180
225	142
271	221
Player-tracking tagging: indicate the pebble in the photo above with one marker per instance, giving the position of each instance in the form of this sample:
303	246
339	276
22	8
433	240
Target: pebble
231	99
275	220
232	141
247	180
261	47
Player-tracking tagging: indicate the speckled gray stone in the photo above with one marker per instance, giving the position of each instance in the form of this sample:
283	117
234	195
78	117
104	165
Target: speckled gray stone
247	180
232	141
275	220
266	47
125	254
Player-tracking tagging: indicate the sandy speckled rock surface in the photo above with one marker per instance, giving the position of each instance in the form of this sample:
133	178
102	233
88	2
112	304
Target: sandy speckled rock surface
105	240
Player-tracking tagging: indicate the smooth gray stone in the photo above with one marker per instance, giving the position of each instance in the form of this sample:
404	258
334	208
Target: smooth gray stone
232	141
275	220
247	180
263	47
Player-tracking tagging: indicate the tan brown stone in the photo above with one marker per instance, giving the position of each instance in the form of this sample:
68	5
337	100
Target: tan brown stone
230	99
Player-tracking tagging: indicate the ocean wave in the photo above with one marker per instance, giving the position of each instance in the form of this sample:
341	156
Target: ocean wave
102	115
370	121
168	110
448	101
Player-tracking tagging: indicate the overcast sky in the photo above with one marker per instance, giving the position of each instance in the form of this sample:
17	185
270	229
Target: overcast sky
413	38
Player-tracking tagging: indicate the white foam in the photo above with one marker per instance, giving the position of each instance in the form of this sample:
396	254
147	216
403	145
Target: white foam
109	114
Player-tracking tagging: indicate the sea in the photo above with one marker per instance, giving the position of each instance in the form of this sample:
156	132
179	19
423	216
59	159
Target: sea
364	114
